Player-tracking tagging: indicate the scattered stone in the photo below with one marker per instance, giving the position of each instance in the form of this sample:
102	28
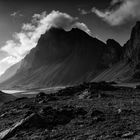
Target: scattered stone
128	135
138	87
25	106
24	123
103	86
125	111
60	116
97	115
43	97
19	99
84	95
3	115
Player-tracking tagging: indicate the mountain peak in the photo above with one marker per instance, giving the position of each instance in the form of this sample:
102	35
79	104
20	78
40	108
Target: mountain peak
132	47
137	23
135	35
57	44
113	43
60	32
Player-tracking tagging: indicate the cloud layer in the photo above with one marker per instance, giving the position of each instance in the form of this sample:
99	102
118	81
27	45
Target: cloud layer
27	39
120	11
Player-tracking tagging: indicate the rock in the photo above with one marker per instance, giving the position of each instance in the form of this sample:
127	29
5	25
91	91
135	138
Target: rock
138	87
84	95
60	116
132	47
40	96
25	106
54	117
43	97
22	98
115	51
3	115
10	132
125	111
71	91
80	112
103	86
128	135
98	115
32	120
119	110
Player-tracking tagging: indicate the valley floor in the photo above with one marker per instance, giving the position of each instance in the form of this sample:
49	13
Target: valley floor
91	111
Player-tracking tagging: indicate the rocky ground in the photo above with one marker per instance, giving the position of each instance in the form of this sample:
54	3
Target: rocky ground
91	111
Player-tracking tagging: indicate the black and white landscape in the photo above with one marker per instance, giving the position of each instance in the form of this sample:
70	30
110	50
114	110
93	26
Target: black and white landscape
70	70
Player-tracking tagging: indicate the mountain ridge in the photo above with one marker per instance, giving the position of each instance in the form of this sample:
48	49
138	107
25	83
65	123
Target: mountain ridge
62	58
71	57
128	68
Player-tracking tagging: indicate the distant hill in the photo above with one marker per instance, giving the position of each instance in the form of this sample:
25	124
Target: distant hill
6	97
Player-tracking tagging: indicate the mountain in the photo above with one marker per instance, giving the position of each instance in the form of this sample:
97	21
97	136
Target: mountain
132	47
128	67
115	49
6	97
10	72
64	58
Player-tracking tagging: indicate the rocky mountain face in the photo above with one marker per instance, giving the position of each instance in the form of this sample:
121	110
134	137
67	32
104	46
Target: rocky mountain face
64	58
128	68
132	51
115	51
132	47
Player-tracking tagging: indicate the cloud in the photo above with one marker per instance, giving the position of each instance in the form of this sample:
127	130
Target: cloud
30	33
83	12
16	14
119	12
6	63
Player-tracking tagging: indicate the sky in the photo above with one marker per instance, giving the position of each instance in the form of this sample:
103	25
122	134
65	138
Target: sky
23	21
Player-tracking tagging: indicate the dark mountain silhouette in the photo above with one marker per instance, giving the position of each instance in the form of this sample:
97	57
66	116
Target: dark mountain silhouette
115	49
64	58
132	47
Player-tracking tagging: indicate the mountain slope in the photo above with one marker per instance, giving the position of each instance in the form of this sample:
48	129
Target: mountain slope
10	72
6	97
128	68
62	58
120	72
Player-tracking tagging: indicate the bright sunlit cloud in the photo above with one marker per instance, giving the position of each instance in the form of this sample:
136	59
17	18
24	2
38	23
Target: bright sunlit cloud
126	11
16	14
118	13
